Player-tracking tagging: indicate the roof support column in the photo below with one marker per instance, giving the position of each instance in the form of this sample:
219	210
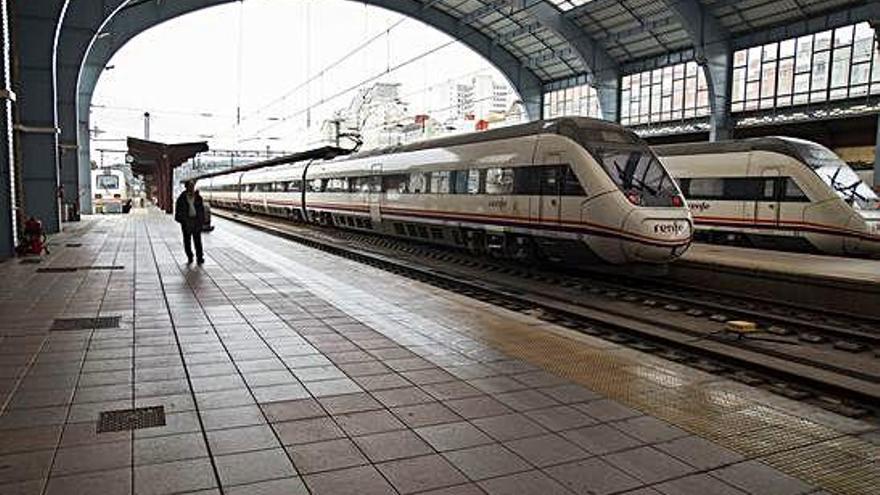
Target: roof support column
8	172
712	46
717	64
601	68
36	133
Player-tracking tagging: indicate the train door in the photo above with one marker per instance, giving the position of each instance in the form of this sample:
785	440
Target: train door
767	204
374	196
550	175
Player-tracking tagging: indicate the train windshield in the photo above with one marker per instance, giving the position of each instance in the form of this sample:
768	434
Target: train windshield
837	174
108	182
633	167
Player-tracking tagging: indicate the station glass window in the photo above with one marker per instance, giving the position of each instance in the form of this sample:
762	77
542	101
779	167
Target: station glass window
827	66
581	99
674	92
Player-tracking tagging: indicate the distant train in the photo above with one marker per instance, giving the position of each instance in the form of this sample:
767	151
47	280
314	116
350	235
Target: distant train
776	192
571	189
111	191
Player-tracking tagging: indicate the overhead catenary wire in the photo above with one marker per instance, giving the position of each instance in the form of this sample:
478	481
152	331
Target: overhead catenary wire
389	69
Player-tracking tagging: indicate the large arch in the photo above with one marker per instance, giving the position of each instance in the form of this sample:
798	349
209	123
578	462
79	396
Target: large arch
58	34
131	19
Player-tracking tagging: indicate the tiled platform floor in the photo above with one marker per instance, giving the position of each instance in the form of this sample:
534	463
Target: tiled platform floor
283	370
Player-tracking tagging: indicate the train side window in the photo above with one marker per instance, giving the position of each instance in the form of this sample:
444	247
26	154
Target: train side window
458	181
395	183
440	182
770	188
359	184
685	186
793	192
743	189
499	181
294	186
705	189
571	185
338	184
550	180
473	181
527	181
419	182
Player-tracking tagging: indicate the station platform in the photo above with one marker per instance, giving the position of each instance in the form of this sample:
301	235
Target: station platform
849	285
278	369
832	268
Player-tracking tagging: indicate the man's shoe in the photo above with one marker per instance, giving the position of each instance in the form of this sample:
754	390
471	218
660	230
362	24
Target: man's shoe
189	260
201	261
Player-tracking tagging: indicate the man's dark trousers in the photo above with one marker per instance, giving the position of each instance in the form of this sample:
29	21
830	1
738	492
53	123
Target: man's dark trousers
192	234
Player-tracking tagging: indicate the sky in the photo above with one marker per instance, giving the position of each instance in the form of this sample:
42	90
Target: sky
269	58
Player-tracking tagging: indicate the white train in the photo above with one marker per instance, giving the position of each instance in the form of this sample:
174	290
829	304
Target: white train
776	192
574	189
111	191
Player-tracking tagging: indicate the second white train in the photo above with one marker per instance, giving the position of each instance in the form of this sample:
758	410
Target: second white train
776	192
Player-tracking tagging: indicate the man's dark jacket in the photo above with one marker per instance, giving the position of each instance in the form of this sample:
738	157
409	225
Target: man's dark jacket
181	211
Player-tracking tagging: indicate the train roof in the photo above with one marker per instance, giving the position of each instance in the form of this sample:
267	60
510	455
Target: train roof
553	126
561	126
777	144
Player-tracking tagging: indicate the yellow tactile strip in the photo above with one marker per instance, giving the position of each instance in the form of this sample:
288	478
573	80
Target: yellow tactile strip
812	452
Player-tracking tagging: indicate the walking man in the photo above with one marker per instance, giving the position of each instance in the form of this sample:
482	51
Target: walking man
189	212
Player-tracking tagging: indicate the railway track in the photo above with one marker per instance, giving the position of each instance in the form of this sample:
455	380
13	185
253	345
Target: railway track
825	359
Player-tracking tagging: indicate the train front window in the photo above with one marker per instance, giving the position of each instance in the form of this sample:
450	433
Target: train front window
630	164
837	174
637	173
108	182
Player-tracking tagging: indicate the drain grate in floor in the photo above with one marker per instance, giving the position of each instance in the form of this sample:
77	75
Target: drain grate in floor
62	324
102	267
74	244
57	269
30	261
131	419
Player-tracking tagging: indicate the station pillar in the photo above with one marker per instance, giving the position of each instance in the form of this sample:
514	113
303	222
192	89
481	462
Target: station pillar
8	171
